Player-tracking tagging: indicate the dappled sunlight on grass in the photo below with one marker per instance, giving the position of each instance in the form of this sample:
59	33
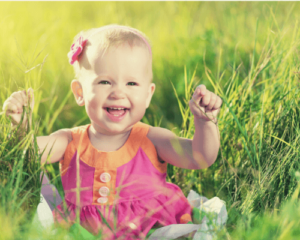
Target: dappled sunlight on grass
246	52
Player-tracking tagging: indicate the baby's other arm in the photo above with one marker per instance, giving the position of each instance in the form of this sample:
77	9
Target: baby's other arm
202	151
172	149
199	153
58	141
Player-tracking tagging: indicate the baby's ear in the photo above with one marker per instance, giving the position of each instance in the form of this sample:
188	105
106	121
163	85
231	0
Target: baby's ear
150	94
78	92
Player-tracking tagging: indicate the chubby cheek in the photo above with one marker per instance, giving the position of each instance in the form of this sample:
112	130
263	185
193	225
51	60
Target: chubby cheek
94	107
139	102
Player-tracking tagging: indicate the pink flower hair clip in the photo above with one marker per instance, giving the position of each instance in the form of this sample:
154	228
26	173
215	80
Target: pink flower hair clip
76	49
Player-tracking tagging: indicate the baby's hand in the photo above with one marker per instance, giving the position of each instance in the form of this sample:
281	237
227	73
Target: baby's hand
205	105
13	106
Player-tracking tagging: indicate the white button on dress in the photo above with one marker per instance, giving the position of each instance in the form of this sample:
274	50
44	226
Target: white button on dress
105	177
102	200
104	191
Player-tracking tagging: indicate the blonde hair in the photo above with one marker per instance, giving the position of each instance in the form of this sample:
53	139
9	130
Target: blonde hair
111	35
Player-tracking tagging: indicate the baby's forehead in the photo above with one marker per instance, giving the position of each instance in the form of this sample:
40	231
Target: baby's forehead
97	60
113	36
100	40
98	47
96	51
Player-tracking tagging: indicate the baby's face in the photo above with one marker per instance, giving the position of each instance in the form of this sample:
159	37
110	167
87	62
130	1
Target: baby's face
117	87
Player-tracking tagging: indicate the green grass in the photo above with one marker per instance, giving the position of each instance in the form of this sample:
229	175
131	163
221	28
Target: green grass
246	52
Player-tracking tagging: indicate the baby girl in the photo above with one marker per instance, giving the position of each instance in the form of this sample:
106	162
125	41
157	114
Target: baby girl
118	163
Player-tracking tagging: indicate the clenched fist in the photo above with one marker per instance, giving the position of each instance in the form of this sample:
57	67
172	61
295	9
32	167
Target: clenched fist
205	105
13	106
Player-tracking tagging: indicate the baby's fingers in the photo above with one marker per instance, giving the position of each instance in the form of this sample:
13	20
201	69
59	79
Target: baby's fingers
218	103
211	102
20	97
200	91
12	105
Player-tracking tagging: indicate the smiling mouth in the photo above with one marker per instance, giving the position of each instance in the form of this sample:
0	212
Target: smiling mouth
116	111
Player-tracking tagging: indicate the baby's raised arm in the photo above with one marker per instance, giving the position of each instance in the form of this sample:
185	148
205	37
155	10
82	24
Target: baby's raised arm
58	141
202	151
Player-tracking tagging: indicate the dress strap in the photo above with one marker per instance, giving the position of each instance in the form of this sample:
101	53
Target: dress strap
71	149
139	133
78	134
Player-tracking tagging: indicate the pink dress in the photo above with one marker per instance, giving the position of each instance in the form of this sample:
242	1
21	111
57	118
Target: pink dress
127	186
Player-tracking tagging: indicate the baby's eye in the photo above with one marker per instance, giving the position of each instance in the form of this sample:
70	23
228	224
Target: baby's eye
132	83
104	82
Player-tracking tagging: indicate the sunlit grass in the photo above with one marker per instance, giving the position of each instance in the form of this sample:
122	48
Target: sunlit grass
247	53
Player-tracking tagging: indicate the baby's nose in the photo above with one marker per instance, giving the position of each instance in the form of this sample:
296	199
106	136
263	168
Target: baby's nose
117	93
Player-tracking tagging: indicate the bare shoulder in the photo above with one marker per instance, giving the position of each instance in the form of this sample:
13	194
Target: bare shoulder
157	135
64	133
56	144
171	148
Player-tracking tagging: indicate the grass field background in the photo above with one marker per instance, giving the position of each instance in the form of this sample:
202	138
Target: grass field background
246	52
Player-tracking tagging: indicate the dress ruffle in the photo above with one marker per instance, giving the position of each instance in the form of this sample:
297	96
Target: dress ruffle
133	219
